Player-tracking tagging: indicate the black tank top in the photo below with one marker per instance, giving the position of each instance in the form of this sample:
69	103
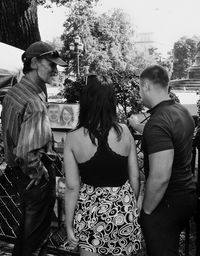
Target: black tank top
106	168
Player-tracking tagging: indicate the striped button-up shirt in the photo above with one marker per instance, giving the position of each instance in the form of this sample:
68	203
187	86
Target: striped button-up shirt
26	126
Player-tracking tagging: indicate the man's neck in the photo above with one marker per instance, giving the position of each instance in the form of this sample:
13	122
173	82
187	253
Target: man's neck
36	80
159	98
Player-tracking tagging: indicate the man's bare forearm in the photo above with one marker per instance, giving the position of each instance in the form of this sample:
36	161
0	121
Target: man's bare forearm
154	192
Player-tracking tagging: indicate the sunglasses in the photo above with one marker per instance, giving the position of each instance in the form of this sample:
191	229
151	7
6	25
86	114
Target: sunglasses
53	54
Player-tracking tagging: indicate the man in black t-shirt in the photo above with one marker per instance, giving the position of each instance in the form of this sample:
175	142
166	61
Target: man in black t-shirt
170	197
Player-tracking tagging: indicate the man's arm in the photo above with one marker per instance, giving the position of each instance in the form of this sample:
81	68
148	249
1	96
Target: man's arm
160	168
34	135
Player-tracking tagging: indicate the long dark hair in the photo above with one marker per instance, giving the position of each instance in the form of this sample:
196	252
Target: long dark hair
98	108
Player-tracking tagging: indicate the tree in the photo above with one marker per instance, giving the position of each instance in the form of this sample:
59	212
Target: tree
183	56
155	57
107	38
109	50
126	84
80	20
126	87
73	90
19	20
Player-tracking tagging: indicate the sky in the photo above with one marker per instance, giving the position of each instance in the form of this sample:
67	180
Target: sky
167	20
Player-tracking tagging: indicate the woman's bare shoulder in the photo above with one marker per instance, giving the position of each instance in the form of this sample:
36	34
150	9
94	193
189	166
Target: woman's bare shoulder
125	128
126	132
76	135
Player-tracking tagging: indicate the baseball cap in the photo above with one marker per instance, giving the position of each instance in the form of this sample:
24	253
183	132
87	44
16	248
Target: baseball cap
43	50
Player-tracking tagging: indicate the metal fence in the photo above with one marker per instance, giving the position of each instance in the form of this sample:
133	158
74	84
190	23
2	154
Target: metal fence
10	208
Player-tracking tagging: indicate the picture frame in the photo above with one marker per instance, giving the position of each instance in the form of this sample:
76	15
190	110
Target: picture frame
63	116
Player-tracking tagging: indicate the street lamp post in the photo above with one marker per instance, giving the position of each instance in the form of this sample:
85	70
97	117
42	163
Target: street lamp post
77	47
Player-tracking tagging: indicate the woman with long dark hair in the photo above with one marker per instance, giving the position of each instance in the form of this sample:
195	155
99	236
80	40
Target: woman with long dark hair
102	177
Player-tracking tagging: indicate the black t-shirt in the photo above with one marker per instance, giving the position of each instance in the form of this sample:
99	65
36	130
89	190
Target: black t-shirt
171	127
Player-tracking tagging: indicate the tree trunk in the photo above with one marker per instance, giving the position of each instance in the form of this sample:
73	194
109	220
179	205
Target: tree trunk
19	23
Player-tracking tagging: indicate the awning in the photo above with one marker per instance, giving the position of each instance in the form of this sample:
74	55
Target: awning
10	58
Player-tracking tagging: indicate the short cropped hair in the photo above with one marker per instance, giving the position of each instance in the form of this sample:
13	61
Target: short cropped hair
156	74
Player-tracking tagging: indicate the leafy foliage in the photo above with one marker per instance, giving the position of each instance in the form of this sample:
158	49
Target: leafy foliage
80	21
108	50
167	62
73	89
19	20
183	53
128	98
127	90
48	3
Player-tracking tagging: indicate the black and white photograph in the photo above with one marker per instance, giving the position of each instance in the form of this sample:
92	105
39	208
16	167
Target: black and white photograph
100	127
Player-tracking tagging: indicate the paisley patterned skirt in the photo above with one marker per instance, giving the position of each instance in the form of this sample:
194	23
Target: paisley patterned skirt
106	220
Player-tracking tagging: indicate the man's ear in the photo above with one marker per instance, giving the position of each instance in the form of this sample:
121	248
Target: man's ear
34	63
146	85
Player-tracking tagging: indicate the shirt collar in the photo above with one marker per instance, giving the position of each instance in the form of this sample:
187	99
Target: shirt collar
34	87
161	104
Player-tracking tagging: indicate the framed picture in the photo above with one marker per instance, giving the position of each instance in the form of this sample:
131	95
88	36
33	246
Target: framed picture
63	116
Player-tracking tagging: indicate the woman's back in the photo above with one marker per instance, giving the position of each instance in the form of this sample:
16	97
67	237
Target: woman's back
104	164
84	149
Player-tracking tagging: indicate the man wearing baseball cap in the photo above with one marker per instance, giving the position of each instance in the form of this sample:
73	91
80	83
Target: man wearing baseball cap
27	137
42	49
